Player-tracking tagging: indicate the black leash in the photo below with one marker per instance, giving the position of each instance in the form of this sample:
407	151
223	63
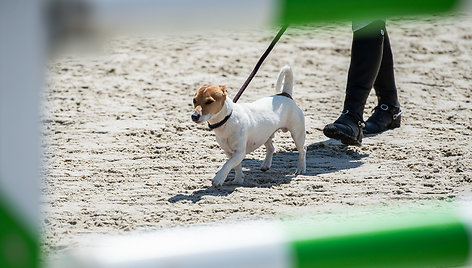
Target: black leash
259	63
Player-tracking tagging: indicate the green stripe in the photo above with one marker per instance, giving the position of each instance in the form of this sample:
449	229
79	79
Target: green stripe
19	247
406	242
303	11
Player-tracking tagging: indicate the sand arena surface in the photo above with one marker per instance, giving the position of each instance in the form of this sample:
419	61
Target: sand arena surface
121	153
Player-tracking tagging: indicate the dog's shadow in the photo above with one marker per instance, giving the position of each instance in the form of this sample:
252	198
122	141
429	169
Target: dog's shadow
322	158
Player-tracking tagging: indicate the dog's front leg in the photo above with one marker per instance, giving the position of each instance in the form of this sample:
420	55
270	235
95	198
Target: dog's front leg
234	161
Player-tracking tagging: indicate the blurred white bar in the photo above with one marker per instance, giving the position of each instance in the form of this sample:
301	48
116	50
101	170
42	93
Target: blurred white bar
21	78
181	15
250	245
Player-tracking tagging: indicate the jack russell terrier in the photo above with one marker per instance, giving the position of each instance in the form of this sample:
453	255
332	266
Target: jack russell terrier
242	128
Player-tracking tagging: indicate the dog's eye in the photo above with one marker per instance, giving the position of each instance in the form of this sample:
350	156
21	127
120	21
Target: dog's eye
194	101
209	102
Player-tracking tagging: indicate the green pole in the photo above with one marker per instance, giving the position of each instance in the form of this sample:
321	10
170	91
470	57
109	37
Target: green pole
303	11
430	240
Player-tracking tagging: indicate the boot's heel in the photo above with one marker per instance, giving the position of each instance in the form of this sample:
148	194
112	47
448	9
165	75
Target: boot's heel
396	122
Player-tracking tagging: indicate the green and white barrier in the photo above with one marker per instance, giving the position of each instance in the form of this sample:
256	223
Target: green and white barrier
165	15
408	239
21	54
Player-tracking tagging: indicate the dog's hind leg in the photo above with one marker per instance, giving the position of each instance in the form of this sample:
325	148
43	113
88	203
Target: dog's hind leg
298	135
238	174
269	153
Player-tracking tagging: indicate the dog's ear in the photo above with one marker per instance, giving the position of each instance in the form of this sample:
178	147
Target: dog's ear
223	88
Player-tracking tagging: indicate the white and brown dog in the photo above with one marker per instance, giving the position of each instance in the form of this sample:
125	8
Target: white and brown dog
242	128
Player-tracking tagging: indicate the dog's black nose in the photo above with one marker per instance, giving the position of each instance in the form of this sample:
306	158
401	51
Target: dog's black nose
195	117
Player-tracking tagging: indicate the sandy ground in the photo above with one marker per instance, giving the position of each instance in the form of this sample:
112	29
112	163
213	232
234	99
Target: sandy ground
121	153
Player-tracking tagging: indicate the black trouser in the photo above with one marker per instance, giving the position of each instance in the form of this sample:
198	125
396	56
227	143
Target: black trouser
371	66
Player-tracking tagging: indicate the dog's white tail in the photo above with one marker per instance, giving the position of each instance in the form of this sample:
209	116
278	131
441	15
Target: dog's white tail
285	76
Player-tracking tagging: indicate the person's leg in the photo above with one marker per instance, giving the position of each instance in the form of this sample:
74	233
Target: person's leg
387	114
384	85
366	58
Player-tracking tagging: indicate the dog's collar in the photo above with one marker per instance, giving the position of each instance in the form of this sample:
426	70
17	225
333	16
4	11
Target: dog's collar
222	122
285	94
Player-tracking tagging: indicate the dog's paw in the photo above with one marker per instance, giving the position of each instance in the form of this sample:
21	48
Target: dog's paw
218	181
265	167
300	171
237	181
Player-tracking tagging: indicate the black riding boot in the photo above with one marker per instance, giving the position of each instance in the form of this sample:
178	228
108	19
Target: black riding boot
366	57
387	115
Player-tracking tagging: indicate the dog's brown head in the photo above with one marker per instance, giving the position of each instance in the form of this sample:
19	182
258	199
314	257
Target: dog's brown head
208	101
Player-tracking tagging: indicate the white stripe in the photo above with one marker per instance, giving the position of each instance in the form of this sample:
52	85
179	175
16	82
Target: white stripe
244	245
20	83
466	215
171	15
